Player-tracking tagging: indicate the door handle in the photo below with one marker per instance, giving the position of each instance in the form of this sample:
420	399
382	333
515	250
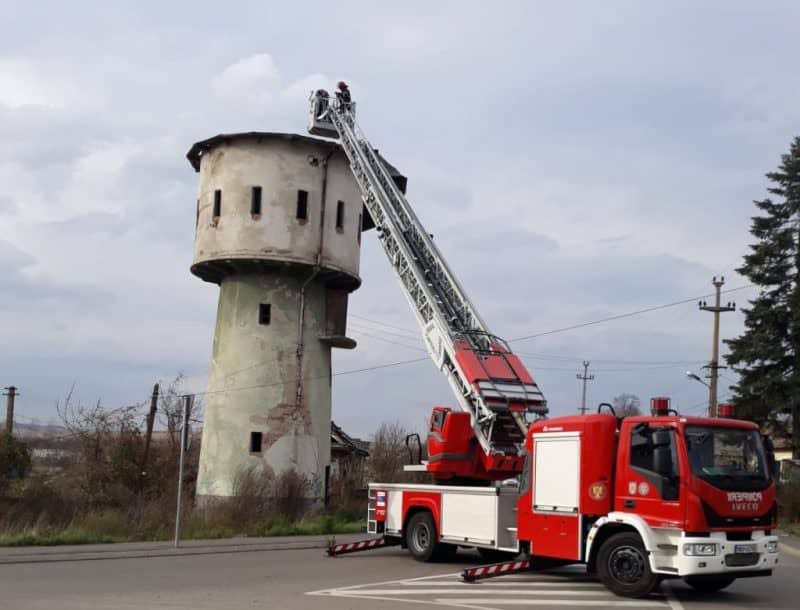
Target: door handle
629	504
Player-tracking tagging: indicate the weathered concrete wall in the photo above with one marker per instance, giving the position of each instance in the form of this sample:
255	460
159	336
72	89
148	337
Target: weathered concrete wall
281	168
247	354
265	259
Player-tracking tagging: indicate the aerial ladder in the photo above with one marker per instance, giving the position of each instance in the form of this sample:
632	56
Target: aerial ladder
494	389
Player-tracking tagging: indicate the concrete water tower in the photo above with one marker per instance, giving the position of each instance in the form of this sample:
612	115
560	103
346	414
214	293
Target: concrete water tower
278	228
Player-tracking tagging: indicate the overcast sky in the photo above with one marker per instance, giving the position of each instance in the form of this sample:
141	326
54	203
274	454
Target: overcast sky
573	162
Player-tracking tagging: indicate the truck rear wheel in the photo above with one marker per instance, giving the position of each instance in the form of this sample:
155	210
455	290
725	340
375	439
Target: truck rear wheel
623	566
422	539
709	584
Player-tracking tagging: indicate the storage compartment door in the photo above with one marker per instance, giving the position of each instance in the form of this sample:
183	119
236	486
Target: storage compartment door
557	472
469	518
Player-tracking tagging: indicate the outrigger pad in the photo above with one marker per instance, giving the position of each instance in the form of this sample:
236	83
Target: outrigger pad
495	569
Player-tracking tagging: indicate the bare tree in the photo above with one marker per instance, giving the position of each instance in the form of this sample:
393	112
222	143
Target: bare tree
170	410
627	405
388	454
108	445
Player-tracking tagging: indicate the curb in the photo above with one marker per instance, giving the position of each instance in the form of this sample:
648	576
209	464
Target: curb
53	554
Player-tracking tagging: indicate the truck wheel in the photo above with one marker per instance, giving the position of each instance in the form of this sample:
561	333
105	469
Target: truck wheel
421	538
709	584
623	567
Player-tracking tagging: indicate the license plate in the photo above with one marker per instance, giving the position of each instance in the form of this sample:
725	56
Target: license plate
744	548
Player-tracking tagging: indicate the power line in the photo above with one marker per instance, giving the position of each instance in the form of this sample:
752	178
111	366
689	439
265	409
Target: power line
625	315
381	330
366	334
293	381
380	323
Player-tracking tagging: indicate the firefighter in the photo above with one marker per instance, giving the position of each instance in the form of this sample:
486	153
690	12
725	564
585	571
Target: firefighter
343	94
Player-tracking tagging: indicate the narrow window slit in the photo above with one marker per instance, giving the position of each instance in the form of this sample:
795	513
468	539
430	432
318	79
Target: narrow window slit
264	314
302	205
255	201
340	215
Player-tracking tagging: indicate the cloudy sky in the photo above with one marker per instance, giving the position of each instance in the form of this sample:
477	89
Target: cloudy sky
573	162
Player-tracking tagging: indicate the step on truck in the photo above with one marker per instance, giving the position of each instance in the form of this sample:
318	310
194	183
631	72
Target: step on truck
635	499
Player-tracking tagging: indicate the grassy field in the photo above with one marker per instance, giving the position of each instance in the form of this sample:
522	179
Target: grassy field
108	528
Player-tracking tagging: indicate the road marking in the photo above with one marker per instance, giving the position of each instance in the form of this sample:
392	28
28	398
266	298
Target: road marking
445	591
533	589
503	583
613	603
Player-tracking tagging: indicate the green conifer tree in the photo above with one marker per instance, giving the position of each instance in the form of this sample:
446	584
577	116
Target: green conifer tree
767	354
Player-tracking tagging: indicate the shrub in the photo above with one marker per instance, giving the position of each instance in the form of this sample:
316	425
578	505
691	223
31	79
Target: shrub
15	458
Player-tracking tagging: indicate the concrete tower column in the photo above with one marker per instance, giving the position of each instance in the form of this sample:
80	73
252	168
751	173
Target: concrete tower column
279	219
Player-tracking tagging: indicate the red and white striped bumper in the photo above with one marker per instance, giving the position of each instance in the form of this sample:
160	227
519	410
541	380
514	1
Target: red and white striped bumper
495	569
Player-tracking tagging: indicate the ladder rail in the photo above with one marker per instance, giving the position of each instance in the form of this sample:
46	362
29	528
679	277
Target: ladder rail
418	292
439	302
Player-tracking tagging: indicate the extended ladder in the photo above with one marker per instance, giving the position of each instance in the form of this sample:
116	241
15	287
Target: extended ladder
489	381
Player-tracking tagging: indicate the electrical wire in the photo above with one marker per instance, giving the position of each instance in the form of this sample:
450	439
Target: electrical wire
626	315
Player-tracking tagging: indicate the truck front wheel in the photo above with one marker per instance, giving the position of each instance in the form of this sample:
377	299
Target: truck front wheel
422	539
709	584
623	567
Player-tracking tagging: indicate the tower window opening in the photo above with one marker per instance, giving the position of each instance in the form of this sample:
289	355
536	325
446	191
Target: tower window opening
255	201
264	314
197	216
358	230
217	204
340	216
256	440
302	205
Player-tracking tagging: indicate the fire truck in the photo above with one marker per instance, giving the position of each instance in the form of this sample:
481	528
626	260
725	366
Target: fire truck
636	499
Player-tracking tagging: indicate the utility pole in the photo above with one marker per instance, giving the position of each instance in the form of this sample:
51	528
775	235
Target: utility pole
187	407
11	393
584	377
713	366
151	416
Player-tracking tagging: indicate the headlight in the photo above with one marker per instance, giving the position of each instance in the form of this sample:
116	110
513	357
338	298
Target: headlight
772	547
703	549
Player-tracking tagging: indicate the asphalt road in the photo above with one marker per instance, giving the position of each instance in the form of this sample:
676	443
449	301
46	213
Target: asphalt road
292	576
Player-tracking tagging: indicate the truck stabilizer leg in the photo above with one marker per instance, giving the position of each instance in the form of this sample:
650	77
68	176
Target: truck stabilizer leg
495	569
355	547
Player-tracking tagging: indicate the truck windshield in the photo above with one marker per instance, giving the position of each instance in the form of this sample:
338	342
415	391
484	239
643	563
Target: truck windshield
728	458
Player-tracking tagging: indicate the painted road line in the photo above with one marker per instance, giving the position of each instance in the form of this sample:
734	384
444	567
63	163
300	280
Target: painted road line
528	591
531	590
499	601
502	583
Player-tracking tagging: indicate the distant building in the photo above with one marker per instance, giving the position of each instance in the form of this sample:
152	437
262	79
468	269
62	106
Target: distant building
348	456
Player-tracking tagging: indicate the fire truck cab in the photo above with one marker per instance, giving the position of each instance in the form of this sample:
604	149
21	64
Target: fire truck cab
637	500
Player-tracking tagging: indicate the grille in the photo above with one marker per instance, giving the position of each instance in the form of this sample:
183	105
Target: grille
741	559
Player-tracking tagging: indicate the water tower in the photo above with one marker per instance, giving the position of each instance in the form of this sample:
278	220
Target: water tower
278	228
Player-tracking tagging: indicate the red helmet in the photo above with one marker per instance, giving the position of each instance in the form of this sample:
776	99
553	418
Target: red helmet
342	85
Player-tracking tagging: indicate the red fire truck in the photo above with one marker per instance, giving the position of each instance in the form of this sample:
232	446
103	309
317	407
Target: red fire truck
636	499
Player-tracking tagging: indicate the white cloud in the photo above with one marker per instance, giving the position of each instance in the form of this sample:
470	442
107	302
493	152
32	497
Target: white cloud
27	83
251	80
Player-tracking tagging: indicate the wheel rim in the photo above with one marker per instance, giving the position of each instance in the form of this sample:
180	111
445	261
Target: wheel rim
422	537
626	565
